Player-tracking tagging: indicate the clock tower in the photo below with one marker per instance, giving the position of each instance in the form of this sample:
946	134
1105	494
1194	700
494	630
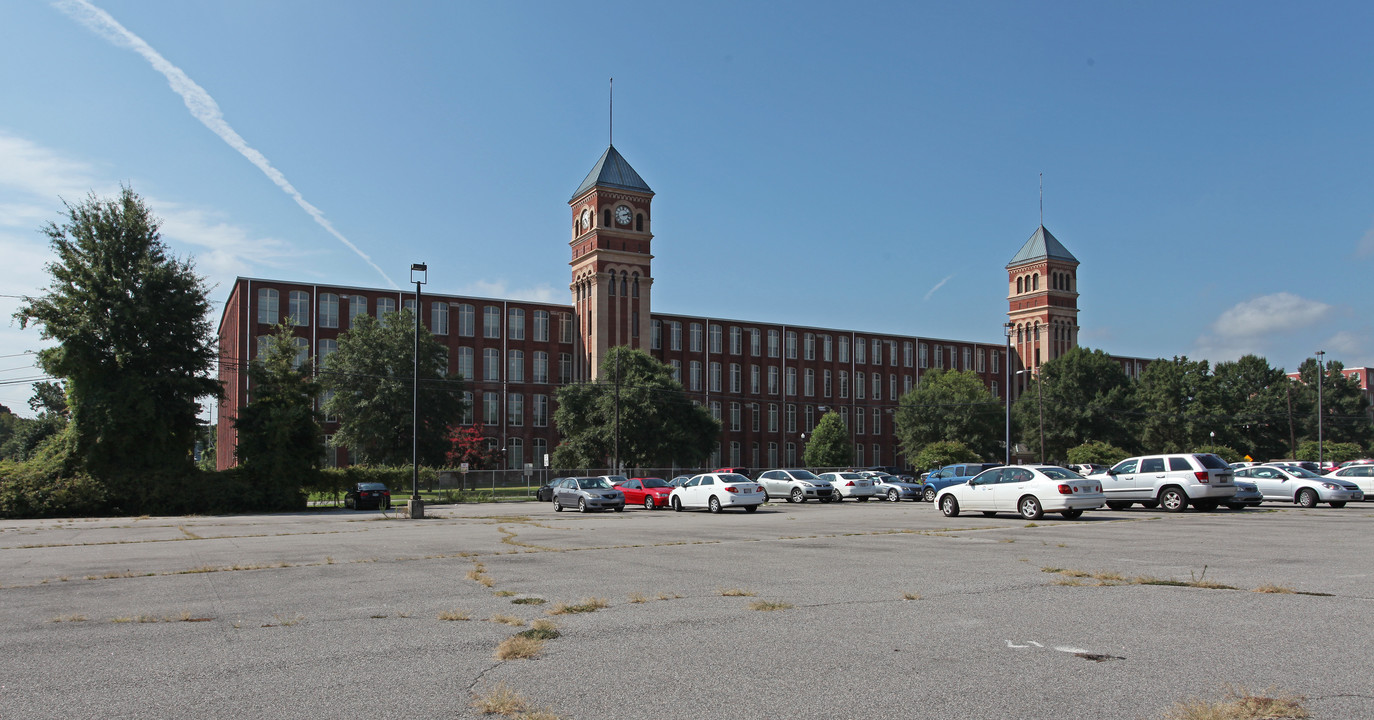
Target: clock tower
1042	296
610	262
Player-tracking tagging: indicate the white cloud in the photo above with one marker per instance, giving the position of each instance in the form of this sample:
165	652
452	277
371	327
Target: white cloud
1270	314
499	289
938	285
203	108
222	251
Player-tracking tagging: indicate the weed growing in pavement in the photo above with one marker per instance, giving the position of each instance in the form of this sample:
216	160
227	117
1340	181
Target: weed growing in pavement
587	605
737	592
541	630
69	618
528	601
668	596
911	596
769	605
285	621
1240	704
506	702
479	575
504	593
519	647
638	598
508	620
455	615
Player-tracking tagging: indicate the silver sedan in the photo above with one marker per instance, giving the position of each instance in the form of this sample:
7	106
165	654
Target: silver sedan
587	494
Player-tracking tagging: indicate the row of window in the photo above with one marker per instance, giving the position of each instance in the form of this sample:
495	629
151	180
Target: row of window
298	311
1031	283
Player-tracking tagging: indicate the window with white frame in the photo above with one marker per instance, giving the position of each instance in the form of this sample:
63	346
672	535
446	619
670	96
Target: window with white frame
755	346
877	421
677	369
754	379
491	408
674	335
515	409
714	377
892	353
968	359
467	319
736	341
269	311
541	410
825	383
892	387
844	383
939	357
385	306
409	304
877	386
465	363
515	319
994	388
809	346
906	383
790	344
566	328
491	322
907	353
491	365
715	339
844	416
541	325
565	368
773	343
540	448
541	367
860	351
754	419
656	334
996	355
982	360
789	416
859	386
809	383
438	318
302	347
925	359
734	417
772	417
791	453
736	378
329	310
357	305
515	453
468	408
694	337
791	386
326	347
515	366
825	348
715	409
734	453
877	351
695	370
843	349
809	418
772	380
858	454
772	454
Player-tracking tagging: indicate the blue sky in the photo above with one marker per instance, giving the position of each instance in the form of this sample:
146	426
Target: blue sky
862	165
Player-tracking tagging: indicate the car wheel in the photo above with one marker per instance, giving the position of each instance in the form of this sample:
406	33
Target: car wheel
1072	514
893	496
677	505
949	506
1307	497
620	507
1117	505
1030	508
1236	506
929	495
751	508
989	513
649	502
349	504
557	506
1173	499
1206	505
863	498
582	505
714	504
797	496
1338	504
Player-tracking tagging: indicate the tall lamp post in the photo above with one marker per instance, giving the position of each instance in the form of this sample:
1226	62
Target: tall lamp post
1040	401
1006	389
418	274
1321	377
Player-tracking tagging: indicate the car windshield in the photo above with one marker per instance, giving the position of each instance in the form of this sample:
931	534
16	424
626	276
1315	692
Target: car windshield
654	483
371	486
850	476
1301	472
803	474
733	478
595	483
1058	473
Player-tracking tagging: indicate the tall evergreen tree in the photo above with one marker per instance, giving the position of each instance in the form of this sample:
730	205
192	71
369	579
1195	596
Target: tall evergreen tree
280	441
1179	405
135	345
1254	400
1086	397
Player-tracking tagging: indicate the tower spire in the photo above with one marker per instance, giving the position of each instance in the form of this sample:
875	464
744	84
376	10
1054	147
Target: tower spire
611	137
1042	199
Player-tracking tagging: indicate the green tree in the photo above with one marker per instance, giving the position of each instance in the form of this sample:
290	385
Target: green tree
280	442
950	405
830	444
368	384
1337	452
1096	452
658	424
1252	400
1087	397
1228	454
944	452
1179	405
1344	407
135	345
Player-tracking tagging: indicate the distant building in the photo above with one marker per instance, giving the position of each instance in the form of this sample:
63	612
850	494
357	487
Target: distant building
767	383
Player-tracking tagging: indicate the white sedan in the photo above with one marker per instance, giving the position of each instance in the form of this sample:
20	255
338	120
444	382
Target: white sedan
851	485
717	491
1030	490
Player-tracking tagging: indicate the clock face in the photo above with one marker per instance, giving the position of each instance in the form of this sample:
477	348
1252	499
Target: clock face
586	219
622	215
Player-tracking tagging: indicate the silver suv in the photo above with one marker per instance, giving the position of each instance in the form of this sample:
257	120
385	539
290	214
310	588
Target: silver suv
795	485
1169	481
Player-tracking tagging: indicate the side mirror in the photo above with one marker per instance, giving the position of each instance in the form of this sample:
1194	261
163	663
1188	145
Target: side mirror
1111	471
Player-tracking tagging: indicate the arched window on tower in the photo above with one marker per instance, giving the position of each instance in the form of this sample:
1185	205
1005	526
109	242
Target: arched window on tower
634	287
612	290
1018	285
639	222
624	284
606	217
1035	281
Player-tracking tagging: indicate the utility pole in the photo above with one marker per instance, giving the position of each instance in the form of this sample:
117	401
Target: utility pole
616	456
1321	380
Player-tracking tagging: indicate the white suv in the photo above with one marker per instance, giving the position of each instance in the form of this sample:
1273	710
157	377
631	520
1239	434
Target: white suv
1169	481
796	485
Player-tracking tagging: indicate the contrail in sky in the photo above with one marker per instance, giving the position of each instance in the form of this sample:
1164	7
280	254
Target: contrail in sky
938	285
202	107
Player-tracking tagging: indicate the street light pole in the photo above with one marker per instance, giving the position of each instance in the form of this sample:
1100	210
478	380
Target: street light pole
1321	378
418	275
1006	390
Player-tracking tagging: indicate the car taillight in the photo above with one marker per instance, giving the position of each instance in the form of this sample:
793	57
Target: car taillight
731	489
1065	490
849	484
1201	476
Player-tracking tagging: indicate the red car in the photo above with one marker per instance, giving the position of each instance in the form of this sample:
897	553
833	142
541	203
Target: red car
649	492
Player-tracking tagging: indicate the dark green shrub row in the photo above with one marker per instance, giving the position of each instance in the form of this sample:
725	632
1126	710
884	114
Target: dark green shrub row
335	482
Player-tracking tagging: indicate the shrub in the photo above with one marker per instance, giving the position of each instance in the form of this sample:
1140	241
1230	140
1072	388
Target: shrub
1230	455
945	452
1097	452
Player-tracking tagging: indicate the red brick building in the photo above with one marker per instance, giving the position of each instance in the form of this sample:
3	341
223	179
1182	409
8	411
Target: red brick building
768	383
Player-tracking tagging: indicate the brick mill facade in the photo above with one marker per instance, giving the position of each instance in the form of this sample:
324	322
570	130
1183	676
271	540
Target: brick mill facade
768	383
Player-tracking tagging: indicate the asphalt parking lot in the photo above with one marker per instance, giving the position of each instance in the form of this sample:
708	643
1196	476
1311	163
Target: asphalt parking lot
889	611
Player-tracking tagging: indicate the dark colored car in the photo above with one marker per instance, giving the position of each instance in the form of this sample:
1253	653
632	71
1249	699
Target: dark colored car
368	496
545	491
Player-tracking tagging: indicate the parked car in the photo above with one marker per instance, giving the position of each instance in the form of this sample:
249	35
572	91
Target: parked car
587	494
545	491
736	470
896	489
1170	481
368	496
1028	490
1307	465
679	480
851	485
1086	469
796	485
1361	461
1290	483
1247	495
1362	475
649	492
717	491
943	477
